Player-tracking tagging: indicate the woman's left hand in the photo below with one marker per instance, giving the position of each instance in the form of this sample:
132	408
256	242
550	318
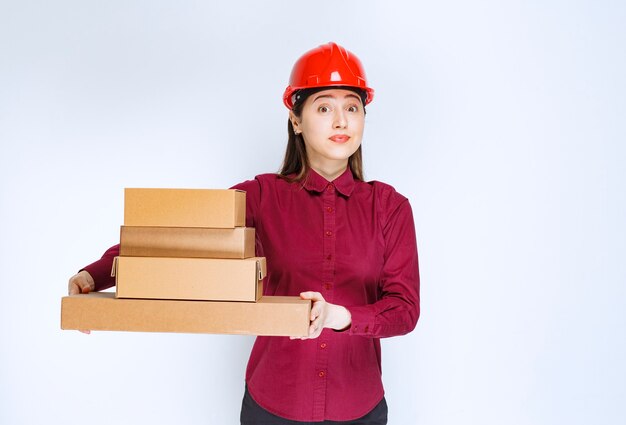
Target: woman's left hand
325	315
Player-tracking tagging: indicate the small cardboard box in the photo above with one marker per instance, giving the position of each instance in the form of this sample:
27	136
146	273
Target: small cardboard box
272	316
190	242
185	207
211	279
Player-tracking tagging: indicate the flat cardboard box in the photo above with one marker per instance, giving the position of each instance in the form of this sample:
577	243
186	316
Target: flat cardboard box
190	242
101	311
211	279
220	208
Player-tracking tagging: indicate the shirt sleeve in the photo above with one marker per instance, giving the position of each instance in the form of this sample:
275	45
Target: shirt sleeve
100	270
398	308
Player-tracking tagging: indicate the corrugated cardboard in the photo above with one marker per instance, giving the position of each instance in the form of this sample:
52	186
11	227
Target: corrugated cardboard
184	207
190	242
212	279
275	316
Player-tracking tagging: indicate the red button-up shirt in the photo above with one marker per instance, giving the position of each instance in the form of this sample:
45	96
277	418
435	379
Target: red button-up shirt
352	241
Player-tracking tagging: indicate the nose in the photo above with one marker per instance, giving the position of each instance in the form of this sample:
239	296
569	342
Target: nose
340	120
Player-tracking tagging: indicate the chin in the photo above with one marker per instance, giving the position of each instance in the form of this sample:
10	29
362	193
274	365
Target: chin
343	154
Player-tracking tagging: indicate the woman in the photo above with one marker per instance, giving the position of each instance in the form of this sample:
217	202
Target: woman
347	245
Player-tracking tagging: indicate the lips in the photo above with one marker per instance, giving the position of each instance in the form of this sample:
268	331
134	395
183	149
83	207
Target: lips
339	138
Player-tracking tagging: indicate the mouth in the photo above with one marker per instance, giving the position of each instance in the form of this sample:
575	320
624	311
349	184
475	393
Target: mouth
340	138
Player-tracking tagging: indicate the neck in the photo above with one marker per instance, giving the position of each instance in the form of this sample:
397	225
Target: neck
330	171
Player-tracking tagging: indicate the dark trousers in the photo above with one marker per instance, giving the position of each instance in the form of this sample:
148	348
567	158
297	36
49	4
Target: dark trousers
253	414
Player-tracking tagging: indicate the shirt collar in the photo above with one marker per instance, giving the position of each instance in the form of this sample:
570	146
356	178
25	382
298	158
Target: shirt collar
316	183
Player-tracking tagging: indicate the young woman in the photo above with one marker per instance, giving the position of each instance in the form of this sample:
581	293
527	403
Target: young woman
328	236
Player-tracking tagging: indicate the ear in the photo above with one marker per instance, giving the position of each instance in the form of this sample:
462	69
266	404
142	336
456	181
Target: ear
295	122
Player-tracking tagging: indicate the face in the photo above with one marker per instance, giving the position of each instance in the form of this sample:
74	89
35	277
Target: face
331	124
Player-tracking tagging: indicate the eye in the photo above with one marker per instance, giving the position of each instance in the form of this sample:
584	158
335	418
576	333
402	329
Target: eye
353	108
323	109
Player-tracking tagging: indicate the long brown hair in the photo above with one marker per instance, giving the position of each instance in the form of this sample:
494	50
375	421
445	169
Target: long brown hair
296	165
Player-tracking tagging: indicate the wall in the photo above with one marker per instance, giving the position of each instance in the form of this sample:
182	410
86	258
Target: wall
503	122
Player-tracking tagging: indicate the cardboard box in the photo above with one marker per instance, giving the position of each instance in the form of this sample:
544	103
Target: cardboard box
190	242
211	279
275	316
184	208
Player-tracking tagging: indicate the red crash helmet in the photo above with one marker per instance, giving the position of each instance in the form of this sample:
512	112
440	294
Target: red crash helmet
328	65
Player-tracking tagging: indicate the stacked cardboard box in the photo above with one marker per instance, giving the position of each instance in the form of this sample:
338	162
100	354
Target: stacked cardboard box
187	264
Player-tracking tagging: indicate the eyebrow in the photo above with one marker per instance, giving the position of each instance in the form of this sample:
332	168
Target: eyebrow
332	97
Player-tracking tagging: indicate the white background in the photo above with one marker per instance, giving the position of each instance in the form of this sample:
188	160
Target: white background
502	121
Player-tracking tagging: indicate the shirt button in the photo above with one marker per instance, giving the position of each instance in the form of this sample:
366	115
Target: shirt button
329	257
322	374
328	286
330	188
329	209
323	345
329	233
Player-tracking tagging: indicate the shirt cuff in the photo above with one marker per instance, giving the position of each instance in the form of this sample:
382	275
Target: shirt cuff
100	271
363	319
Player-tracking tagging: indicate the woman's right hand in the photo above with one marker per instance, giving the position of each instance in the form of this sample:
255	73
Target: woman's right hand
81	283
